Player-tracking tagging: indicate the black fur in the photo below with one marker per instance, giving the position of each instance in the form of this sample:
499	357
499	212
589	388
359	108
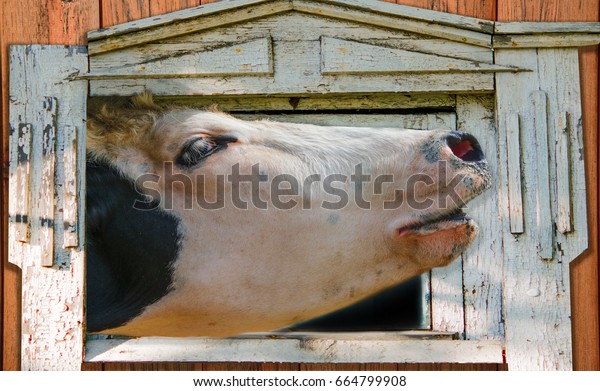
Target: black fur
130	252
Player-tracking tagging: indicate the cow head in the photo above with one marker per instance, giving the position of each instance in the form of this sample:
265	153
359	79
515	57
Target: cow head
277	222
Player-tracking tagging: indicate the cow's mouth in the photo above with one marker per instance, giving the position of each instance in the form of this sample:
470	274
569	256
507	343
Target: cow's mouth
436	222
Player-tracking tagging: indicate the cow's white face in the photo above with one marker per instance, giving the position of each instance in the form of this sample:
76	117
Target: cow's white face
312	218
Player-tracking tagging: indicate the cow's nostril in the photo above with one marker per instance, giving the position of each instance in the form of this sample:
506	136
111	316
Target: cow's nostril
465	147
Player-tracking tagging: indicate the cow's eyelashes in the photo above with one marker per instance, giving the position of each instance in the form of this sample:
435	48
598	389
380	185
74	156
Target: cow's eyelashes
197	149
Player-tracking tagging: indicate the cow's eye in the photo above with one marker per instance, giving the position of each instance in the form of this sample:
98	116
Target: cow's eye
197	149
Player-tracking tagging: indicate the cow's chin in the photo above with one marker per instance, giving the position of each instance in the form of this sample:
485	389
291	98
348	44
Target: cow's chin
436	243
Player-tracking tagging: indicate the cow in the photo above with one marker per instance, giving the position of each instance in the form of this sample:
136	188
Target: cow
202	224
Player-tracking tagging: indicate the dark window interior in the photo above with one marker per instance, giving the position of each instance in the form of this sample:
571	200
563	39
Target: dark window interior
398	308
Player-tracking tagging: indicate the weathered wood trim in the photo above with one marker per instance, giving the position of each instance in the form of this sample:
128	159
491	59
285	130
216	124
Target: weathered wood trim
253	57
446	296
449	26
351	84
546	27
42	211
396	20
52	297
559	77
70	202
301	349
340	56
537	284
515	199
542	156
563	168
189	25
22	186
303	102
172	17
420	14
482	261
522	41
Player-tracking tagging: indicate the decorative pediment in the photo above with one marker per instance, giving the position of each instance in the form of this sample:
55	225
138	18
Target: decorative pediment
282	47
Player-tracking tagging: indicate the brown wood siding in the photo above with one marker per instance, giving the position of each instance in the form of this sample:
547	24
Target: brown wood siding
61	22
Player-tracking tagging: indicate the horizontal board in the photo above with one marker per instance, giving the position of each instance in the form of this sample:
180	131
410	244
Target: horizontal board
407	121
312	102
253	57
325	349
352	84
545	40
340	56
546	27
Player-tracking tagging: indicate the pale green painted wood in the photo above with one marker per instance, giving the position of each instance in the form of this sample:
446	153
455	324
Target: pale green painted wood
52	297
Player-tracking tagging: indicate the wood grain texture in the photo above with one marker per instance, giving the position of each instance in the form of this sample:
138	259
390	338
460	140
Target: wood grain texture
119	11
584	270
52	319
547	11
47	21
484	9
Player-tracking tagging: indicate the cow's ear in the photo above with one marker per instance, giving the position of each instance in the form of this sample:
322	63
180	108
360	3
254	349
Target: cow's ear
194	151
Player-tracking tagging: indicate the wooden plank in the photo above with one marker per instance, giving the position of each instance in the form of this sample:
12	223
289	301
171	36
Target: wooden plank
562	167
307	350
484	9
312	102
126	35
407	121
52	298
415	19
447	301
546	11
471	31
132	16
513	145
352	84
543	211
340	56
546	28
584	271
547	40
423	14
254	57
22	194
542	339
70	198
560	78
482	261
42	209
61	22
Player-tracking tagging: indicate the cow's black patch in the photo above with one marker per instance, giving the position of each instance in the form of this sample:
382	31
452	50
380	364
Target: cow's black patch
129	252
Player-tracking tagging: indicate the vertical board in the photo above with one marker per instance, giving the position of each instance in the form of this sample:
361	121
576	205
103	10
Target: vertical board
447	300
584	272
42	22
536	280
52	297
515	197
482	261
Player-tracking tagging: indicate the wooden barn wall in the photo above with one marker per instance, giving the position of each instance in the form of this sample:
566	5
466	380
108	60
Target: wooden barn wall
66	22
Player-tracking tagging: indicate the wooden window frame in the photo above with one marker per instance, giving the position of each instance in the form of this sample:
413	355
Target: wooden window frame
536	110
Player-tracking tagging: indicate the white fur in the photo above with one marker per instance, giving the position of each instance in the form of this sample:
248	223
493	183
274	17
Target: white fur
257	270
